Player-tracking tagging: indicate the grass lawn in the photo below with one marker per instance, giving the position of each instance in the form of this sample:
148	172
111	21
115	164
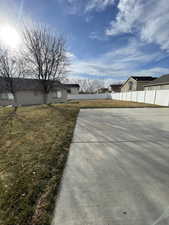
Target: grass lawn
107	104
34	145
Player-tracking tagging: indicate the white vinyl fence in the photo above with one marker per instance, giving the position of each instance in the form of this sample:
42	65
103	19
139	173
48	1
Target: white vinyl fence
89	96
158	97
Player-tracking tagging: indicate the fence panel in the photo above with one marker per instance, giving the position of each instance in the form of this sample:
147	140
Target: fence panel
134	96
120	95
159	97
128	96
125	96
140	96
150	97
162	97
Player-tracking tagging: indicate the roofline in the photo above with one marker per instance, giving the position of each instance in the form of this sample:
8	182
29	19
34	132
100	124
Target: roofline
136	80
115	85
156	84
126	81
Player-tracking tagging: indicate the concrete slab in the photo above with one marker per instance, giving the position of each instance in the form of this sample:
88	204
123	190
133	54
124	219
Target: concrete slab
117	180
122	125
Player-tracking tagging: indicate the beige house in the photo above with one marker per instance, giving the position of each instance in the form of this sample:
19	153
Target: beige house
29	92
136	83
161	83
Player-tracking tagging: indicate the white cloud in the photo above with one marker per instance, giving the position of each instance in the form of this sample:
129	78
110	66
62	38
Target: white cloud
97	36
88	5
98	4
120	63
148	18
70	55
155	71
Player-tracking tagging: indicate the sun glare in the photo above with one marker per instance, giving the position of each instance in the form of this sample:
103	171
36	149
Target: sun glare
9	36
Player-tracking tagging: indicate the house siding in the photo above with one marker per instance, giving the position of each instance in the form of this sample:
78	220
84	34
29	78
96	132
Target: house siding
74	91
126	86
29	98
134	85
141	84
35	98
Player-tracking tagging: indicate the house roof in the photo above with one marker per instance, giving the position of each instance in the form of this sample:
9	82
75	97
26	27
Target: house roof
71	85
140	78
23	84
115	85
161	80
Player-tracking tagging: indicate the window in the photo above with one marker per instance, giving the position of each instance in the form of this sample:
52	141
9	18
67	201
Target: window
69	91
10	96
59	94
6	96
130	85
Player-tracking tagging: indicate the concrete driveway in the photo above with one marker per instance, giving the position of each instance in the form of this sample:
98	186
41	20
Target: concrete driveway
118	169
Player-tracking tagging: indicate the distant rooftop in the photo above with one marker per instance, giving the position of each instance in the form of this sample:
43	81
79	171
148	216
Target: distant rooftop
161	80
139	78
115	85
71	85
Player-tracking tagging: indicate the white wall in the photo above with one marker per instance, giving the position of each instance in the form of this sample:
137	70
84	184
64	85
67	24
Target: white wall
89	96
158	97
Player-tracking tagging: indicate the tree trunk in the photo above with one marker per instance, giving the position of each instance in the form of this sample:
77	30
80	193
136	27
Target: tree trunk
45	98
15	99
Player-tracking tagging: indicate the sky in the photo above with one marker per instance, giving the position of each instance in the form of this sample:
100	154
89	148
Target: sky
106	39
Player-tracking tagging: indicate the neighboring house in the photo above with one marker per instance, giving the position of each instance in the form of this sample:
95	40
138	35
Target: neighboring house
115	87
136	83
30	92
102	90
161	83
72	89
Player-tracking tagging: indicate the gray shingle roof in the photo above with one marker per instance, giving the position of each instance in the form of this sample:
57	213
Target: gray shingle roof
22	84
138	78
161	80
71	85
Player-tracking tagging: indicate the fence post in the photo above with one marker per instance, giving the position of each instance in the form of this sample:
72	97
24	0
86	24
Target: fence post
131	96
168	99
145	96
155	96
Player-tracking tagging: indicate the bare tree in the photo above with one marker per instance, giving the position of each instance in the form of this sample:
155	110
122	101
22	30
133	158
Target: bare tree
11	67
89	86
46	57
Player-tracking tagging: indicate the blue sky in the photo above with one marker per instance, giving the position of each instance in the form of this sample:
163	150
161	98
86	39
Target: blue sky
106	39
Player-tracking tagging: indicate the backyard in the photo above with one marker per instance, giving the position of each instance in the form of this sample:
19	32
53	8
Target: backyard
34	145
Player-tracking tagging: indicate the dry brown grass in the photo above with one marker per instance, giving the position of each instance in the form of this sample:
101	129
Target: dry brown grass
34	145
107	104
